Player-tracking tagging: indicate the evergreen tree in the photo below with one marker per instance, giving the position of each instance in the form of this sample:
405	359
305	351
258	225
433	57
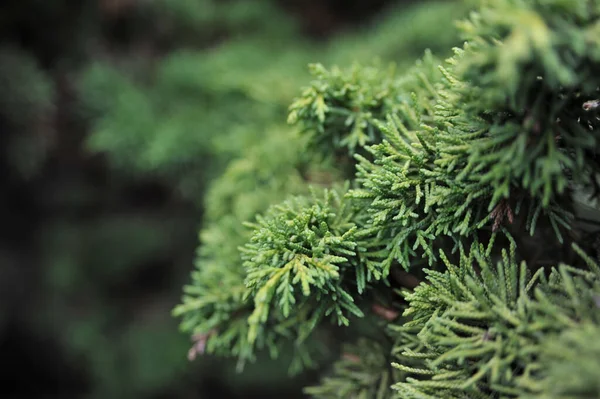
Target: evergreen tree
434	227
116	116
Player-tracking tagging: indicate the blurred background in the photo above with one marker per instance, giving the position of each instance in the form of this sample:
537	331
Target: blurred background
115	116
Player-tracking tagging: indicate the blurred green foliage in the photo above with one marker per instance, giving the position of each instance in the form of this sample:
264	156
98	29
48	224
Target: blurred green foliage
213	103
25	107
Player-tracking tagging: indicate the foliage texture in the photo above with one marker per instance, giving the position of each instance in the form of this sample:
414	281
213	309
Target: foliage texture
466	232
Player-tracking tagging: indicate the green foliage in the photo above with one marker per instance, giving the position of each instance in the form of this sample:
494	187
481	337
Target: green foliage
298	258
269	170
29	92
339	107
26	108
478	329
470	162
242	318
401	33
205	19
493	150
531	66
217	314
195	108
112	109
205	103
125	364
363	371
339	111
572	363
192	113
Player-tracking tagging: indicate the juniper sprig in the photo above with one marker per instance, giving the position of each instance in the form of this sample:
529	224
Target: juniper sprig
470	204
303	255
479	327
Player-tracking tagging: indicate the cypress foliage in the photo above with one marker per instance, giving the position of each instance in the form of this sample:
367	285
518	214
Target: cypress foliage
466	225
478	329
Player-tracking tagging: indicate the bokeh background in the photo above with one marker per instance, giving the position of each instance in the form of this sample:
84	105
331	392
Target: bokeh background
115	117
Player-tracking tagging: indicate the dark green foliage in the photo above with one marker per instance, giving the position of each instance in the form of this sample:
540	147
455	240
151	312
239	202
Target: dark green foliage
411	180
532	66
29	92
479	328
402	33
468	160
364	371
216	307
26	107
209	19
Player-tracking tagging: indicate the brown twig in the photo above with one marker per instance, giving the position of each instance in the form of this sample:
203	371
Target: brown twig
502	212
199	344
404	278
385	313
